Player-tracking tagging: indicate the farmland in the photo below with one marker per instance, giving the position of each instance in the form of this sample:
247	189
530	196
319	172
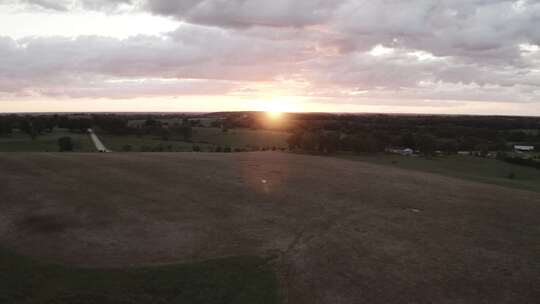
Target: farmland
477	169
207	139
241	279
48	142
241	138
146	143
331	230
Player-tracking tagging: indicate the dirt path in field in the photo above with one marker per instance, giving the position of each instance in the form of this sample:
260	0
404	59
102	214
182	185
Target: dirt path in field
340	231
97	142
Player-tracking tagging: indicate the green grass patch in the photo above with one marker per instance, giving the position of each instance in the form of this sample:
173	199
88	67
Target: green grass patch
229	280
47	142
484	170
206	138
241	138
145	143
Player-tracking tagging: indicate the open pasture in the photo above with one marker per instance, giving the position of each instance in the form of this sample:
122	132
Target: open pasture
332	230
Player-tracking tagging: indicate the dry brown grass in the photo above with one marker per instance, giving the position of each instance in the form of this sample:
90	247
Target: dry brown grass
341	231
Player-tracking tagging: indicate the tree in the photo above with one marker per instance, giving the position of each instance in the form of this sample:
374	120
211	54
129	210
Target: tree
225	127
152	123
450	146
294	140
309	141
366	143
28	128
500	144
329	142
65	144
5	127
407	141
426	143
483	149
165	134
186	129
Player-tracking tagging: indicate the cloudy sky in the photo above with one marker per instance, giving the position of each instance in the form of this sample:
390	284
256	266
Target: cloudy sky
421	56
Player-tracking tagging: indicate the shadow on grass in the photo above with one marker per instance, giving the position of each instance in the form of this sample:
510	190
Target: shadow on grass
227	280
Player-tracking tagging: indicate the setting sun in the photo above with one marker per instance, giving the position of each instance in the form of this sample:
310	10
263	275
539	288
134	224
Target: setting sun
274	114
275	107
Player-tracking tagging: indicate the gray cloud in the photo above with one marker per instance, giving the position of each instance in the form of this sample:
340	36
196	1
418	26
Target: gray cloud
67	5
246	13
47	4
482	50
103	4
191	52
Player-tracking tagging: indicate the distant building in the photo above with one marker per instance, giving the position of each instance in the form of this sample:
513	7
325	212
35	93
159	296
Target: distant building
407	151
518	148
492	154
401	151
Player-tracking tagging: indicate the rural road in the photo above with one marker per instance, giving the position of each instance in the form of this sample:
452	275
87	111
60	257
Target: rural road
99	145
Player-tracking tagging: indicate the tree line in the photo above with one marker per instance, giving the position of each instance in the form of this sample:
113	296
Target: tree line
314	132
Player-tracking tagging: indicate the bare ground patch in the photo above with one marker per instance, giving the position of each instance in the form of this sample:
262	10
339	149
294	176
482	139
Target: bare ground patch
341	231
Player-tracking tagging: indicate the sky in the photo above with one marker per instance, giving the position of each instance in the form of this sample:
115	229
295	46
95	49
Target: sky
389	56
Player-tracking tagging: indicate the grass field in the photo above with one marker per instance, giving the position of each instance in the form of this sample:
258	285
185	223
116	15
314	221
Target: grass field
484	170
230	280
48	142
147	143
241	138
339	231
205	138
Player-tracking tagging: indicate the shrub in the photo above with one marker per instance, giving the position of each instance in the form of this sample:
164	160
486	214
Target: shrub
65	144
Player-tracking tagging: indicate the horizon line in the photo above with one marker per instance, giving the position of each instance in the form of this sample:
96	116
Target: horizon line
256	111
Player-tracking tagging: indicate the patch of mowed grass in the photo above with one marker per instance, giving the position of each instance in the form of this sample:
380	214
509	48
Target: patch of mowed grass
145	143
240	138
46	142
205	138
228	280
478	169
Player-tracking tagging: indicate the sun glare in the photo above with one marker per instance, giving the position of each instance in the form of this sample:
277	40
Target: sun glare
275	108
274	114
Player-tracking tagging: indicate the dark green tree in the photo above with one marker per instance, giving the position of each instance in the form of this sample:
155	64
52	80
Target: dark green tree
65	144
426	143
294	140
187	130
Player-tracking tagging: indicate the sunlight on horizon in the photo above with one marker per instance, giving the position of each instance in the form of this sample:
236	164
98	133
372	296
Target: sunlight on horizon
275	106
288	104
274	114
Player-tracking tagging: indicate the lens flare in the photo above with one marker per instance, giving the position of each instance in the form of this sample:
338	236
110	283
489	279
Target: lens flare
274	114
